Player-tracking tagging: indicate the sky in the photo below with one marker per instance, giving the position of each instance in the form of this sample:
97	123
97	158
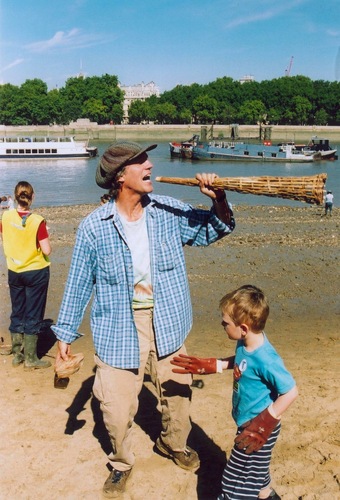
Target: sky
168	42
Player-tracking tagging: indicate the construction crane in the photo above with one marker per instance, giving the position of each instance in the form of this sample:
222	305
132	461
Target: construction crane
287	72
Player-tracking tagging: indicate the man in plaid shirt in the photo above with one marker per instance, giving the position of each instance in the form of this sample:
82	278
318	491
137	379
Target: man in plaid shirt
129	256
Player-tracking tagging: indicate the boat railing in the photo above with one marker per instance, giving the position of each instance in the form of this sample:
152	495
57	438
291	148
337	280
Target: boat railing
222	144
288	148
22	139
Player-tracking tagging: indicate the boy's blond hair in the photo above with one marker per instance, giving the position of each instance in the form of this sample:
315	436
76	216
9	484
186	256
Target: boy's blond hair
247	305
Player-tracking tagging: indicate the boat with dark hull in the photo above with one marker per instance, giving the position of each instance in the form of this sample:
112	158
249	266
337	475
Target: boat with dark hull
44	148
263	152
320	146
183	149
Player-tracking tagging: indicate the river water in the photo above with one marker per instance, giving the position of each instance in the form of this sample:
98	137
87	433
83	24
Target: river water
72	182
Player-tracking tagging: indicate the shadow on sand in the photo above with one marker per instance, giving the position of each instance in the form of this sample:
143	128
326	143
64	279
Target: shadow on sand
149	419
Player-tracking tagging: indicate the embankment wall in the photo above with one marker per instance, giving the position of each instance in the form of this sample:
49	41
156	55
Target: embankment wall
95	132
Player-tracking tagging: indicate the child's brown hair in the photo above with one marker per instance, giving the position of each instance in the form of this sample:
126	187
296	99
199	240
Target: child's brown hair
24	193
247	305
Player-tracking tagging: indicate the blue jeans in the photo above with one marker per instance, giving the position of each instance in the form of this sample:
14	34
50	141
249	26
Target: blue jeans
28	291
328	206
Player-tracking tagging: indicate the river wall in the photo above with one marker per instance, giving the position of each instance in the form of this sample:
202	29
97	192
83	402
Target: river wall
84	129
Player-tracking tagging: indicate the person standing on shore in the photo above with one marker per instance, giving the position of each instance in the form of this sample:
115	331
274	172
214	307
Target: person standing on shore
10	202
129	252
3	202
329	198
27	247
263	389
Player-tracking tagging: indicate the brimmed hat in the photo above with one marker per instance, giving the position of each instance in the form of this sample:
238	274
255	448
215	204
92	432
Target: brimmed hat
115	157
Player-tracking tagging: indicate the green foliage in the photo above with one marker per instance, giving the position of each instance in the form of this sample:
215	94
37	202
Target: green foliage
31	104
116	113
9	96
94	109
286	100
301	110
166	113
182	96
321	117
252	111
95	98
205	109
139	111
185	116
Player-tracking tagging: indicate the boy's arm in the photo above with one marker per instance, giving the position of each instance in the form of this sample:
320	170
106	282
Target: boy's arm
201	366
257	431
227	363
283	402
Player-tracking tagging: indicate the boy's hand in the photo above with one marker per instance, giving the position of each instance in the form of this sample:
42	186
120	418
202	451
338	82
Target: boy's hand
256	432
191	364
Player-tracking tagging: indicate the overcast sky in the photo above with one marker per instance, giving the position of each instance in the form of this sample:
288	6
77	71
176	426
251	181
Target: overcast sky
168	42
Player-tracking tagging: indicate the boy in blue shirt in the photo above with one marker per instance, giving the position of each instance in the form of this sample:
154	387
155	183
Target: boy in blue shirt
262	390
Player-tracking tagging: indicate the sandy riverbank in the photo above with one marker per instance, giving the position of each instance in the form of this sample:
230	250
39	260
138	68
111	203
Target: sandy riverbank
53	443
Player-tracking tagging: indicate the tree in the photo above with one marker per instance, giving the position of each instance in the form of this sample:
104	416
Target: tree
35	99
116	113
274	115
9	103
185	116
337	117
55	104
182	96
166	113
225	90
250	91
333	99
252	112
73	97
138	111
33	105
104	90
301	108
285	100
321	117
95	110
205	109
227	114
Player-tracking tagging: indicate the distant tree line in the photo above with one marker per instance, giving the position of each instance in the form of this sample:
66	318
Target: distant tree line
289	100
97	98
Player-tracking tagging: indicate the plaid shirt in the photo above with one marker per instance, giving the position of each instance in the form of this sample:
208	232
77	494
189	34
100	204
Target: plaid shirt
102	265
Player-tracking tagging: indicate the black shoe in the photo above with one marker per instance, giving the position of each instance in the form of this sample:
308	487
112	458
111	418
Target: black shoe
115	483
187	459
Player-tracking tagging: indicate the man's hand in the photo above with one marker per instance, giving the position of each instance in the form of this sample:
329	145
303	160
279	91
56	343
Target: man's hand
256	432
191	364
64	350
218	197
205	182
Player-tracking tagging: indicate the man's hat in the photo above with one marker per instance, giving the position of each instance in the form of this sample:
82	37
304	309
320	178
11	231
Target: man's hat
115	157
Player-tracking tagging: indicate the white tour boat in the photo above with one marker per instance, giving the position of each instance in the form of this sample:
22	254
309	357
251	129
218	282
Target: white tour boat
44	148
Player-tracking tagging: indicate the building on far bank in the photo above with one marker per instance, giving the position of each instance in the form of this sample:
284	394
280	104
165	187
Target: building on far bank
140	91
247	78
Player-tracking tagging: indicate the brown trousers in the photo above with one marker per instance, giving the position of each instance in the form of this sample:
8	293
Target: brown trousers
117	391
